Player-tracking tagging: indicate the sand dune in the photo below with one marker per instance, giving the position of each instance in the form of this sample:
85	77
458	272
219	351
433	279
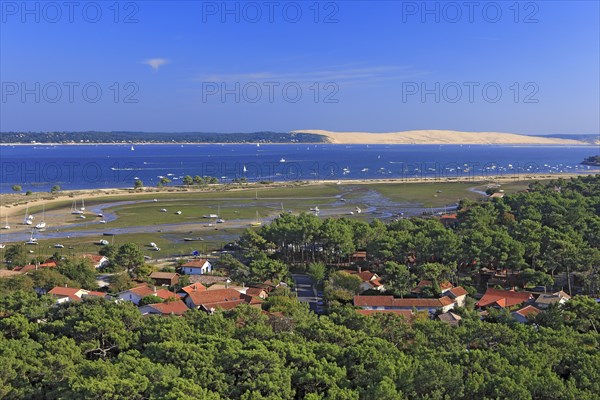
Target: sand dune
437	137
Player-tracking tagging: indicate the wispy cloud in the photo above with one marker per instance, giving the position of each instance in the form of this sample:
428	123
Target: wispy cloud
156	63
343	74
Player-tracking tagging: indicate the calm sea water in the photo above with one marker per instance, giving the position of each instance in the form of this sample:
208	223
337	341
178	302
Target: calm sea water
39	167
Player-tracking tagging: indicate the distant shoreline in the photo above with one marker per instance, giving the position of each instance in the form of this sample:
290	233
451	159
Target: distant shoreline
581	144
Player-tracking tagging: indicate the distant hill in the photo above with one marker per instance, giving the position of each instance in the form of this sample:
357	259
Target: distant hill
438	137
158	137
591	139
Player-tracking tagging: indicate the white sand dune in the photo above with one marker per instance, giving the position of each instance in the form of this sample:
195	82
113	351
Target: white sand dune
437	137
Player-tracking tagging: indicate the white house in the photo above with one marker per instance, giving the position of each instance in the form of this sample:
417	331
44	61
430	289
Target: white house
458	294
196	267
65	294
97	260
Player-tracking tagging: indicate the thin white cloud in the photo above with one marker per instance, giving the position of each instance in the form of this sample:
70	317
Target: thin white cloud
344	74
156	63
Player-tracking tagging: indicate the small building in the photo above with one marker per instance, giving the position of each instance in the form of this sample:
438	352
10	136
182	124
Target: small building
443	304
370	280
545	300
497	195
257	292
176	307
358	256
196	267
503	298
458	294
524	314
194	287
97	260
137	293
224	299
65	294
164	278
449	220
450	318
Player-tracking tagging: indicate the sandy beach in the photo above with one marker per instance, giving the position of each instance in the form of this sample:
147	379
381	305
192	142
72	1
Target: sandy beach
438	137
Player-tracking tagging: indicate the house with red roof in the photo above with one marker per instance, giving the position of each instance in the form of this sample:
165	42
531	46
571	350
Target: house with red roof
65	294
194	287
458	294
176	307
164	278
524	314
137	293
196	267
35	267
503	298
224	299
370	280
97	260
443	304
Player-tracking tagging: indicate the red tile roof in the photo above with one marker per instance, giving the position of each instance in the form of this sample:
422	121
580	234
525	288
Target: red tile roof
221	298
255	292
195	263
390	301
48	264
528	310
458	291
165	294
94	257
163	275
172	307
142	291
194	287
25	268
503	298
65	292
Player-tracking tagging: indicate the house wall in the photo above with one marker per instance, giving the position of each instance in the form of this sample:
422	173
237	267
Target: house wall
206	268
128	296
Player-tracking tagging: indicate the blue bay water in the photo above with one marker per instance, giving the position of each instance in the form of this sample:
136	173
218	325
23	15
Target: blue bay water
39	167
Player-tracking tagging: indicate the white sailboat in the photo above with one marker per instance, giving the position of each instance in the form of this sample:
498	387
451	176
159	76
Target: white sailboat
28	218
42	224
32	241
132	149
219	219
82	205
74	209
6	225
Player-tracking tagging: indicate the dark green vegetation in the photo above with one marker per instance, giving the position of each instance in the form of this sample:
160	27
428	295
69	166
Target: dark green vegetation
101	350
592	160
549	231
158	137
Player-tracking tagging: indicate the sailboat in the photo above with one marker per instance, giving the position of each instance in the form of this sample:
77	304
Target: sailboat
219	219
42	224
28	218
6	225
132	149
74	209
257	221
82	205
32	240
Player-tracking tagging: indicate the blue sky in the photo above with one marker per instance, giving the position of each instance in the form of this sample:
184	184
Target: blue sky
372	66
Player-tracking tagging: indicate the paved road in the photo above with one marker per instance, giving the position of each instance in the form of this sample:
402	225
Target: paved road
306	292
